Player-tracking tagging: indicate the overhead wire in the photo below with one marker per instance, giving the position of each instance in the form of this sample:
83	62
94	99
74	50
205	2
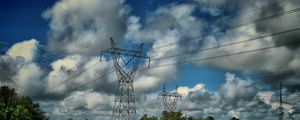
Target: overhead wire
222	56
244	13
229	44
237	26
90	82
73	76
274	46
273	2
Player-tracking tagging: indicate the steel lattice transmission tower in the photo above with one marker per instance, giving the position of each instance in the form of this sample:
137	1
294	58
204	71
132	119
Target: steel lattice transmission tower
124	104
281	114
169	99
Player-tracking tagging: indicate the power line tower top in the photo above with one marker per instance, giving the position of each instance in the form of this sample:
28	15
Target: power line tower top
164	93
114	50
124	104
169	99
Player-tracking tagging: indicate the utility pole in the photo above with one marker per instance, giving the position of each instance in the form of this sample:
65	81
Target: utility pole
280	107
169	100
124	104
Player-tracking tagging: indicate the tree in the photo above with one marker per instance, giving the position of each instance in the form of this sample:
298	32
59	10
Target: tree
234	118
13	107
173	116
145	117
210	118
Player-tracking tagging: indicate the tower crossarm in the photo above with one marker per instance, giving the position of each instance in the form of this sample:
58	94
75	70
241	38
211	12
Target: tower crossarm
120	51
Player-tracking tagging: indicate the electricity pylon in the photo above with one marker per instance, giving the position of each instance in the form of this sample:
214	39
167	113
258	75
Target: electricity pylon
169	100
280	107
175	96
124	104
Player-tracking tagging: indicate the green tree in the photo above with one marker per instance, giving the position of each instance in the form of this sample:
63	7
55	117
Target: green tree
234	118
172	115
145	117
209	118
13	107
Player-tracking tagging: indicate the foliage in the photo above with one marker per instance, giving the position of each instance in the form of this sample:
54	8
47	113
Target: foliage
13	107
234	118
145	117
173	116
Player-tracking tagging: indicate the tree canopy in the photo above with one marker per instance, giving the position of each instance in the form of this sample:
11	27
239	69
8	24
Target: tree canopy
234	118
14	107
173	116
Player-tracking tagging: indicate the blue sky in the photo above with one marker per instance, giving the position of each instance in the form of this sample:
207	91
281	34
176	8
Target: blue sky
23	20
45	43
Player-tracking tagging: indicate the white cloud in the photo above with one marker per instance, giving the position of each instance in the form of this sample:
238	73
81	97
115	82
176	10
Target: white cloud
266	96
26	49
236	88
78	26
166	25
20	71
72	72
85	26
185	90
88	100
29	80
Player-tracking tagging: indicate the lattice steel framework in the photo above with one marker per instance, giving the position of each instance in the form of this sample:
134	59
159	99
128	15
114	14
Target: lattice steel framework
126	64
169	99
281	114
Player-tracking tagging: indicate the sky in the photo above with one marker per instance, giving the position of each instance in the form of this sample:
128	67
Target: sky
227	57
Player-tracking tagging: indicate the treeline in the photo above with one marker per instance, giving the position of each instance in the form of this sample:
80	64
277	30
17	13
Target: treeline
14	107
173	116
176	116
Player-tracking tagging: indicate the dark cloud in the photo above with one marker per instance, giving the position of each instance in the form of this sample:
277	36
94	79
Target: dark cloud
275	78
8	69
292	39
289	75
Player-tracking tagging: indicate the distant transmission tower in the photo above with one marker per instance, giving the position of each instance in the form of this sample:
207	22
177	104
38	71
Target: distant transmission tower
280	107
169	100
124	104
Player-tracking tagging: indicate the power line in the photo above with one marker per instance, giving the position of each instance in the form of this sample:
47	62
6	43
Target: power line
237	26
234	53
265	6
222	56
233	43
124	104
73	76
92	81
247	12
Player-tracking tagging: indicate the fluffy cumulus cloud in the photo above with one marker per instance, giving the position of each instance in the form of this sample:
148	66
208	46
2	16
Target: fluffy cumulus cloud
78	26
281	62
76	70
19	69
89	101
78	84
26	49
235	88
248	104
83	105
174	29
167	25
